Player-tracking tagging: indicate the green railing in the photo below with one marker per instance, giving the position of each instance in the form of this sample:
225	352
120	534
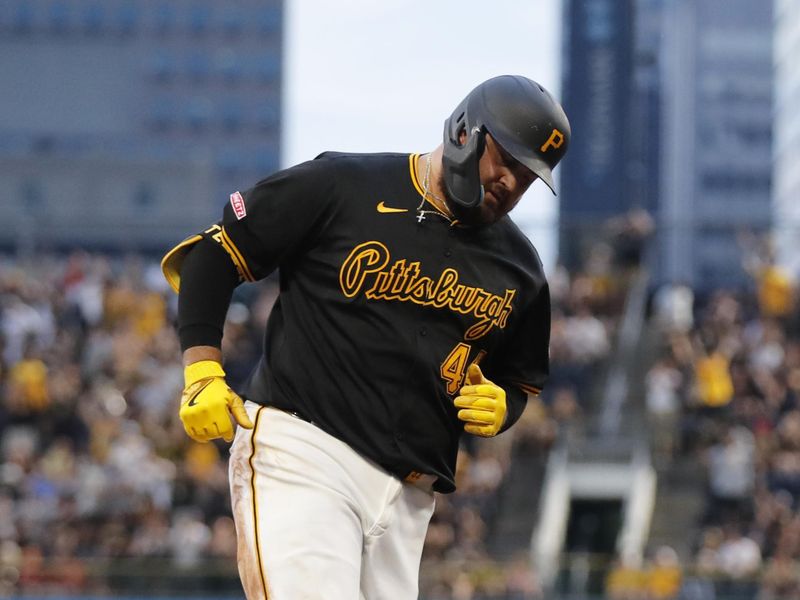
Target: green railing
161	578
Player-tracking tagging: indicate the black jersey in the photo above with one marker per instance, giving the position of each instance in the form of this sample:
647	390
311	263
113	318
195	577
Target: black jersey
382	307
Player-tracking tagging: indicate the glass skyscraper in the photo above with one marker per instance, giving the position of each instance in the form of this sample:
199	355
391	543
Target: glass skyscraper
716	138
126	124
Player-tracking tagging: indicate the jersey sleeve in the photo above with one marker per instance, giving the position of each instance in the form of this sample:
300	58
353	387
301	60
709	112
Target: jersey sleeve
524	364
267	224
274	221
526	359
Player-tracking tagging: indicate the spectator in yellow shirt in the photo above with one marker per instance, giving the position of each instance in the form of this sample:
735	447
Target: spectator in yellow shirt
714	383
775	292
28	384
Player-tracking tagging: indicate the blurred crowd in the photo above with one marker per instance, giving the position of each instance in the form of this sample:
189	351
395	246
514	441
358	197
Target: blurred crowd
725	392
94	462
97	476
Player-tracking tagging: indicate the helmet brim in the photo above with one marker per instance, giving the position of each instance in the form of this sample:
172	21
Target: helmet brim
539	167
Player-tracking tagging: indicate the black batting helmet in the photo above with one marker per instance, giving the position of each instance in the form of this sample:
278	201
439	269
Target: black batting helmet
520	115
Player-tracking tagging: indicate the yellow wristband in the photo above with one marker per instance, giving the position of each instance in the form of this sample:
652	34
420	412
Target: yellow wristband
200	370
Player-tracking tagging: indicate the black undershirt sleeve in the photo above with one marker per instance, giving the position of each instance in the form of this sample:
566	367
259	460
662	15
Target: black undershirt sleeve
208	278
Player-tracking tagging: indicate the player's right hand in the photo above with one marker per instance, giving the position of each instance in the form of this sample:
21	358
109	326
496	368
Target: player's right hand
482	404
207	403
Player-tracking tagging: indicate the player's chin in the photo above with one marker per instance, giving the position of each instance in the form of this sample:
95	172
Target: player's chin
492	209
489	211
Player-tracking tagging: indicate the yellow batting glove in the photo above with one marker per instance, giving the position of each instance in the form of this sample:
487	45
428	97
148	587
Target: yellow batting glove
207	403
482	404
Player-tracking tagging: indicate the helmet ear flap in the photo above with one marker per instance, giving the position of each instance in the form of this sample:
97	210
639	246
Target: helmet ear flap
460	162
454	127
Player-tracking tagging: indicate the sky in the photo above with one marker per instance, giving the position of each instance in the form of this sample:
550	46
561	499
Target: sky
383	75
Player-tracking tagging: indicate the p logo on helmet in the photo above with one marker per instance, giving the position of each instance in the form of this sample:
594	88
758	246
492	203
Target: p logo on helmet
554	141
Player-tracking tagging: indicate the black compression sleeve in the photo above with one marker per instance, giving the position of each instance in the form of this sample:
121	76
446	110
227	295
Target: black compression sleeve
208	278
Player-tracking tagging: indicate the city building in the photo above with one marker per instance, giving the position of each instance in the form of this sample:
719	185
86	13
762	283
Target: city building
126	124
716	139
597	91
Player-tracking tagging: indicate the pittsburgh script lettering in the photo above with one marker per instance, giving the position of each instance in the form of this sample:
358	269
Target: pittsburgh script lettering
367	268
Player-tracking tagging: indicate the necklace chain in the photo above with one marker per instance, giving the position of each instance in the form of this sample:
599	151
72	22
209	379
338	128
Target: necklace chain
442	210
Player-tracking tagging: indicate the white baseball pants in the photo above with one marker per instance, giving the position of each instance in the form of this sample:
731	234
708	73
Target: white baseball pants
315	520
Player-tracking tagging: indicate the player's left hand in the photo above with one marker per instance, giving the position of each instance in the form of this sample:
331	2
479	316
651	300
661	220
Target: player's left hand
482	404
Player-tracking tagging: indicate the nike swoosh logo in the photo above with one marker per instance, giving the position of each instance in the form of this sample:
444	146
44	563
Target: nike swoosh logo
382	208
191	401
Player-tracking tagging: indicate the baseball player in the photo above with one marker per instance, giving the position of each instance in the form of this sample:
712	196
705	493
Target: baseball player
411	310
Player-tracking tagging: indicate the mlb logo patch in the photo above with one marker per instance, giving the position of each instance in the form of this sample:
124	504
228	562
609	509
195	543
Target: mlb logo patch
237	202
